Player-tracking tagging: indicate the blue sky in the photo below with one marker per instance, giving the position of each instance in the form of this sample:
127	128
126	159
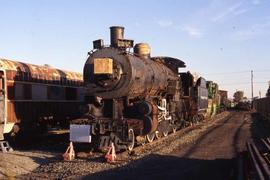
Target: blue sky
220	40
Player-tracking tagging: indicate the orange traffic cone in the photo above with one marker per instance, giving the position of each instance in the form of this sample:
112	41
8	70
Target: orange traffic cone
111	155
70	153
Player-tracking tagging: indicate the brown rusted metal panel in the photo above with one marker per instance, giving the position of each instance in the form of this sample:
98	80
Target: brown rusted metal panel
38	92
10	112
24	71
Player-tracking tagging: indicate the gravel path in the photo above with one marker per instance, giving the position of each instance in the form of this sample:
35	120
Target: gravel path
21	162
207	151
87	163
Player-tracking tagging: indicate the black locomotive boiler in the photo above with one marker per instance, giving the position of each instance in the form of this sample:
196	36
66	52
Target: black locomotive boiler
133	97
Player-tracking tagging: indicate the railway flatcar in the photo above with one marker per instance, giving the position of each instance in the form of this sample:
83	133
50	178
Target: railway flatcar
132	97
33	97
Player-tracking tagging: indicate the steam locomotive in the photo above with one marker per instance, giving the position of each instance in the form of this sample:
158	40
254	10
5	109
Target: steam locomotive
133	97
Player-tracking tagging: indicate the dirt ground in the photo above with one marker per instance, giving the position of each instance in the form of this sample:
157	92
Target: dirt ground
206	151
212	155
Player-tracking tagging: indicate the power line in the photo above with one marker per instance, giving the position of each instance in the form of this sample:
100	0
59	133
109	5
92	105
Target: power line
263	70
241	83
267	78
238	72
252	87
221	73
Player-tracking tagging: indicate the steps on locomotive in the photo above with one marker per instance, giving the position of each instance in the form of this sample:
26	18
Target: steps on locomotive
5	147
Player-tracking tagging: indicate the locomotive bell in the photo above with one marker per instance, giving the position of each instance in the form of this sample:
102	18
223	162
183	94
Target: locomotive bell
117	32
142	50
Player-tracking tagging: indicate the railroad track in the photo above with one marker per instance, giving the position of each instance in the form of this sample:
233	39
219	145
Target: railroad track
259	156
160	143
254	163
93	162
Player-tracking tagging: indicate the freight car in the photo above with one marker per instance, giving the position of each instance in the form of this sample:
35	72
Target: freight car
262	107
224	102
32	97
244	105
194	97
133	97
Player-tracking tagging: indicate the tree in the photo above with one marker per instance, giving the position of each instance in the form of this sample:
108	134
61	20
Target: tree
238	96
268	91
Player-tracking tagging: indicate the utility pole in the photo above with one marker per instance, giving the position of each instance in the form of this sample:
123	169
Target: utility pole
251	88
252	85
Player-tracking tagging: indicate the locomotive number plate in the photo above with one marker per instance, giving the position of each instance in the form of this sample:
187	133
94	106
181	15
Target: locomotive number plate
103	66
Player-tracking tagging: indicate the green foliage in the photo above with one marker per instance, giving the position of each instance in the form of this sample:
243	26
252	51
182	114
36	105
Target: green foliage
212	89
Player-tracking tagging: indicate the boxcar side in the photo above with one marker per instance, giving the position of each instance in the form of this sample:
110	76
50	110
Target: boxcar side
262	106
37	96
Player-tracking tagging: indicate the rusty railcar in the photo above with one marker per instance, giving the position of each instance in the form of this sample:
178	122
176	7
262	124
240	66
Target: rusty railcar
224	102
262	106
35	96
194	96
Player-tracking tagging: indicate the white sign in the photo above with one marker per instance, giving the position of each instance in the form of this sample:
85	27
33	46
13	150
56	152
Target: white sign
80	133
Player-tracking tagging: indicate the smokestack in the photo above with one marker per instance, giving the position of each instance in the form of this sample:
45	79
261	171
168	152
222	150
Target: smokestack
117	32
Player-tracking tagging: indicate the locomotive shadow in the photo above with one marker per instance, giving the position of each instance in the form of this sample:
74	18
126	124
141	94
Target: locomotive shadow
55	143
156	166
